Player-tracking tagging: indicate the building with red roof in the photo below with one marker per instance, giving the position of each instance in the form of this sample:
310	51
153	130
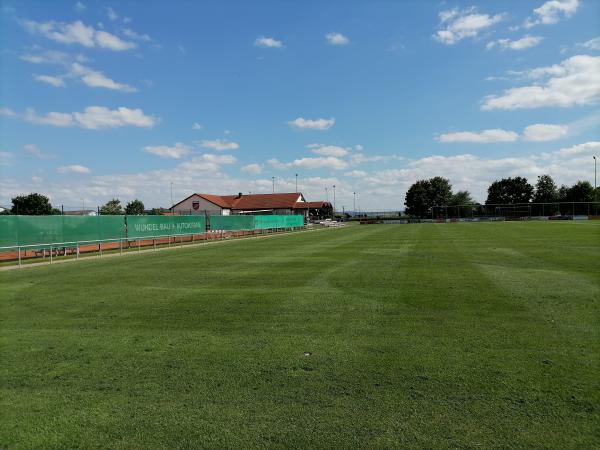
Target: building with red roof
279	203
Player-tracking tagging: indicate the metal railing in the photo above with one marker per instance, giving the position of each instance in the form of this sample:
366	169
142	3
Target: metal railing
56	249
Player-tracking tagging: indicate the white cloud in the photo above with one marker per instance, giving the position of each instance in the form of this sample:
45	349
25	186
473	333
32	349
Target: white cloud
551	11
268	42
112	15
93	78
376	190
254	169
207	163
309	124
55	81
55	119
46	57
540	132
73	168
535	133
458	25
7	112
360	158
356	174
80	7
525	42
474	173
35	151
573	82
592	44
77	33
219	159
219	145
329	162
197	126
328	150
94	117
336	39
482	137
177	151
137	36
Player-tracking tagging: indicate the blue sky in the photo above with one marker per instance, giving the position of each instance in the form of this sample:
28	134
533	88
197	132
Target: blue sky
102	100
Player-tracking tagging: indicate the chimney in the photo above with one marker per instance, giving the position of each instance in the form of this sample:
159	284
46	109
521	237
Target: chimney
239	195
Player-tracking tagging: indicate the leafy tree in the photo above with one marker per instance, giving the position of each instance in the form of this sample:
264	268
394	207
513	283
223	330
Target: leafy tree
417	198
465	201
440	191
32	205
461	198
135	208
112	208
424	194
509	191
563	193
545	190
582	191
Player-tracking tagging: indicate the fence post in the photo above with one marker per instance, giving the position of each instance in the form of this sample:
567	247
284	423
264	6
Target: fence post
50	252
100	245
121	246
139	245
77	251
19	250
154	243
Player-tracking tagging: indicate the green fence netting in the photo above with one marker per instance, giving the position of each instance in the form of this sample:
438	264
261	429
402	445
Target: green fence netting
152	226
44	230
275	221
41	231
9	231
247	222
231	223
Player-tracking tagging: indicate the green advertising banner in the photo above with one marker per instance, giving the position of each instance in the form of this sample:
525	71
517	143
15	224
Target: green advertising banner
152	226
276	221
45	230
231	223
9	231
40	229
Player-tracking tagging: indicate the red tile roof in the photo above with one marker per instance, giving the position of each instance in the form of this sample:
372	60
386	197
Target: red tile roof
263	201
313	205
287	200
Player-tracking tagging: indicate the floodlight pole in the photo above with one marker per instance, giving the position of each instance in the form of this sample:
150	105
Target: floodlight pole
171	196
296	183
594	172
334	199
354	204
327	194
273	184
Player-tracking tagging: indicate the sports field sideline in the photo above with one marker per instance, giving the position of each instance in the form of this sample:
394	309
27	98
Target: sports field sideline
423	336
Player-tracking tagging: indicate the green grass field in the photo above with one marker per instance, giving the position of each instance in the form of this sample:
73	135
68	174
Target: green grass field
421	336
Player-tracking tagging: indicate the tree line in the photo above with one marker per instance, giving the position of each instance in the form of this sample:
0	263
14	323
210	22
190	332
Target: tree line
423	195
35	204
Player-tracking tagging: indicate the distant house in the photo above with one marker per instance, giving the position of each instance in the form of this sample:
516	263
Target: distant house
285	203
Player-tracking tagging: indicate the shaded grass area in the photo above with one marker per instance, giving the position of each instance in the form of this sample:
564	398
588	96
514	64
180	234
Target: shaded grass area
450	335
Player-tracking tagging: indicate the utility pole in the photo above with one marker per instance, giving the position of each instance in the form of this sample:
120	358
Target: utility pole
273	184
334	199
171	196
354	204
326	194
595	172
296	183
